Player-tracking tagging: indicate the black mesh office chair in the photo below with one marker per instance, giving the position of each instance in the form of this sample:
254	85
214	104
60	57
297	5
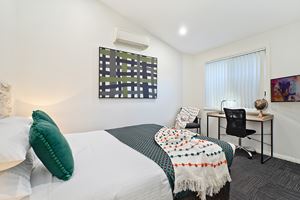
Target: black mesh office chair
236	126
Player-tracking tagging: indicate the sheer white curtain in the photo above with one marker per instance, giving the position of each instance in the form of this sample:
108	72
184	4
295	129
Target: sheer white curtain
237	80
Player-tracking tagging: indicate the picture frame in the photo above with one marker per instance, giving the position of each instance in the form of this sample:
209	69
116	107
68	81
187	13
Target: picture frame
285	89
127	75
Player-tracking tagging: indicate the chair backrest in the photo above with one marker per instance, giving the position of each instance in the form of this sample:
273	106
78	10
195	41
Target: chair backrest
196	120
236	122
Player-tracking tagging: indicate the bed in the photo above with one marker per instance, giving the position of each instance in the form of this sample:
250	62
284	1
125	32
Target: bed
123	163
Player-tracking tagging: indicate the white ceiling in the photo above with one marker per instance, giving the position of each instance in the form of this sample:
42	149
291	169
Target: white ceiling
210	23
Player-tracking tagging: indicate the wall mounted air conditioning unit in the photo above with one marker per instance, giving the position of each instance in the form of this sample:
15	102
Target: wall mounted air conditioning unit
131	39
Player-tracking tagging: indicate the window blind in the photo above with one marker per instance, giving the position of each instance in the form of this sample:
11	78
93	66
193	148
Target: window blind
237	79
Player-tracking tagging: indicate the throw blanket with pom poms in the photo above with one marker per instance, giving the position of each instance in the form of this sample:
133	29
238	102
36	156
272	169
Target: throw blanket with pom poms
199	165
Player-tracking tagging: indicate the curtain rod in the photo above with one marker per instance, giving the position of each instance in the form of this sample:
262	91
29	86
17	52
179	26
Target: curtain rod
236	55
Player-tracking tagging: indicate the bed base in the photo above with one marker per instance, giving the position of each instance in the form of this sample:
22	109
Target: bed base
224	194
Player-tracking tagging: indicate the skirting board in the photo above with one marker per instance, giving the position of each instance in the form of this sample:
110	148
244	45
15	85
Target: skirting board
282	157
288	158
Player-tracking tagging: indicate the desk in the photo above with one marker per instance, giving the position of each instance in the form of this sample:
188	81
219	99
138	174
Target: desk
250	117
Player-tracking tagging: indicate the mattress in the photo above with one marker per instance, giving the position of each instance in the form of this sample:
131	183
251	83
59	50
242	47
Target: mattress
105	169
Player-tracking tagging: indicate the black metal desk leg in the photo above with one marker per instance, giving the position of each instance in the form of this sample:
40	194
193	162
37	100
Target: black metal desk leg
207	126
272	138
219	128
200	132
262	143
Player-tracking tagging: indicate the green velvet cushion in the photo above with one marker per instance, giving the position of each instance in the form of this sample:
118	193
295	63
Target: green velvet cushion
39	114
52	149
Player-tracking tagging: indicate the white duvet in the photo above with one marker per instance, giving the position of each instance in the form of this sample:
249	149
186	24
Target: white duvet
105	169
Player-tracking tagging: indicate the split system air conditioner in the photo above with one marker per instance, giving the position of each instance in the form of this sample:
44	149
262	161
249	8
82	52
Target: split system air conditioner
131	39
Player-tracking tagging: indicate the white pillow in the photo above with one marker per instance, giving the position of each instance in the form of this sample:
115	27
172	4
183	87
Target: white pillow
14	141
15	182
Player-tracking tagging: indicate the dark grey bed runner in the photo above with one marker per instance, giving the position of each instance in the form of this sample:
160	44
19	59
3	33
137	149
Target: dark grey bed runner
141	138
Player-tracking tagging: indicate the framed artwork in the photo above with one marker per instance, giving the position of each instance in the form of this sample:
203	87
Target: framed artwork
126	75
286	89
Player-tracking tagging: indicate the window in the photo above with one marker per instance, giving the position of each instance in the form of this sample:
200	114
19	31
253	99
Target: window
237	80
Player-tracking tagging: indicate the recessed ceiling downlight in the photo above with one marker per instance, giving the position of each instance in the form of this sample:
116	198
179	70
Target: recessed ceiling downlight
182	31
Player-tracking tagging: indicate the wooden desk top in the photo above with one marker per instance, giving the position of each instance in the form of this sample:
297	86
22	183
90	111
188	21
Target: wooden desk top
249	117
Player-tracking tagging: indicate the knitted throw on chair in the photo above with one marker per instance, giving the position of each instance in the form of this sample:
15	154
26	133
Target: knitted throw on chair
186	115
199	165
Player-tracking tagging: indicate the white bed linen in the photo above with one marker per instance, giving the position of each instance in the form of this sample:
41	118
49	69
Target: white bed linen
105	169
232	146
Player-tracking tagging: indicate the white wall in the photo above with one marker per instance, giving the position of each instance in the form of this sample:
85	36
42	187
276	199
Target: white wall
51	59
7	37
283	47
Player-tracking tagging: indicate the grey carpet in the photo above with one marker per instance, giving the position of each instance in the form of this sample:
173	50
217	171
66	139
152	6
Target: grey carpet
275	180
